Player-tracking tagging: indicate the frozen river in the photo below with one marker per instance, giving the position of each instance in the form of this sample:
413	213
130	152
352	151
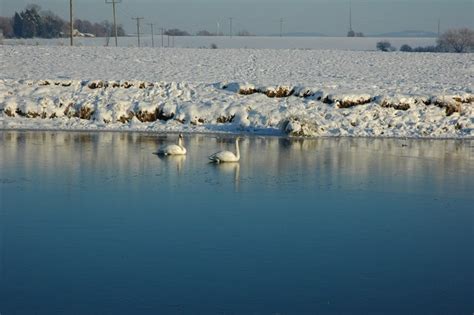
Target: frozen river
95	223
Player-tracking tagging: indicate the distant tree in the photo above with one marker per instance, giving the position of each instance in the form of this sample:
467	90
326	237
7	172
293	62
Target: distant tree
51	25
204	33
176	32
351	33
427	49
213	46
33	7
6	26
84	26
17	25
359	34
31	22
457	40
406	48
120	30
244	33
103	29
385	46
106	29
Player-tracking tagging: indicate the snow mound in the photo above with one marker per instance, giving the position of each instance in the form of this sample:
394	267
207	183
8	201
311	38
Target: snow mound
223	107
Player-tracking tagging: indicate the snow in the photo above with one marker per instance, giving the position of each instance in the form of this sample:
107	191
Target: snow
260	91
239	42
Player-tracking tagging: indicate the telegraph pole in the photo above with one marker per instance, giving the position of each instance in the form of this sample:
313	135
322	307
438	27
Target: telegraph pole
152	35
230	26
350	16
138	28
162	39
281	27
71	26
439	27
113	2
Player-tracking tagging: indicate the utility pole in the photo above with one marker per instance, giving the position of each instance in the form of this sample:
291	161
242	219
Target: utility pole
162	39
152	35
439	27
230	26
113	2
281	27
71	26
138	28
350	16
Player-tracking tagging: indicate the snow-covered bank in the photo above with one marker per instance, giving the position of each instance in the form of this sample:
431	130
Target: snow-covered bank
298	92
230	107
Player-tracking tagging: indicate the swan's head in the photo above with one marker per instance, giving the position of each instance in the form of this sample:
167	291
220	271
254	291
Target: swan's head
180	136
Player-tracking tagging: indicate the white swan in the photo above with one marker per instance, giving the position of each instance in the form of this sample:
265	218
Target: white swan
173	149
226	156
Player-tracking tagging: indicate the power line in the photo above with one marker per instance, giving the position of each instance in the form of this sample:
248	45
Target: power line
138	27
113	2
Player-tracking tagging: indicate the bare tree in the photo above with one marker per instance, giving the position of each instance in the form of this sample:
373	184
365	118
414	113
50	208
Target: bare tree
457	40
6	26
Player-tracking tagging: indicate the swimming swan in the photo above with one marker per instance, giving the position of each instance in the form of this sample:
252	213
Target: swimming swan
226	156
173	149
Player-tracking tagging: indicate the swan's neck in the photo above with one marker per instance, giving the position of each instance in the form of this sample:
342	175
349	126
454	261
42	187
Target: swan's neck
180	142
237	151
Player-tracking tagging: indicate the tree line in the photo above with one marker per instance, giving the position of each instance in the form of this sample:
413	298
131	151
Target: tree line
454	40
34	22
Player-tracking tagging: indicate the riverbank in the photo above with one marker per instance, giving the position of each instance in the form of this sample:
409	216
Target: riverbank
252	91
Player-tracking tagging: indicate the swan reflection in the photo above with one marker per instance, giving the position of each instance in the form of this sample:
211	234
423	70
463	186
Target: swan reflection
176	161
230	169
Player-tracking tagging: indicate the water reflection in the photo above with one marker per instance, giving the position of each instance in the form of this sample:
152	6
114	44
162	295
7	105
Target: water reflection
176	161
232	169
104	225
346	162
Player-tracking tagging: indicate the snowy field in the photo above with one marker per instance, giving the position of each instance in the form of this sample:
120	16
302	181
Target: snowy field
250	42
263	91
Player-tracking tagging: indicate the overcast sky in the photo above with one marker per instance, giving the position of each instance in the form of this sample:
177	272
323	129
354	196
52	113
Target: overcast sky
262	17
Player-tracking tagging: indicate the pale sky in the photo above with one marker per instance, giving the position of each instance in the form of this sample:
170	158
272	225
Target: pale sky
262	17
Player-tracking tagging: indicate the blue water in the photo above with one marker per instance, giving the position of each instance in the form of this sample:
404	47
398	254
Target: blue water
95	223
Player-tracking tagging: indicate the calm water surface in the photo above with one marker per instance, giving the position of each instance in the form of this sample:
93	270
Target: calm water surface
95	223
